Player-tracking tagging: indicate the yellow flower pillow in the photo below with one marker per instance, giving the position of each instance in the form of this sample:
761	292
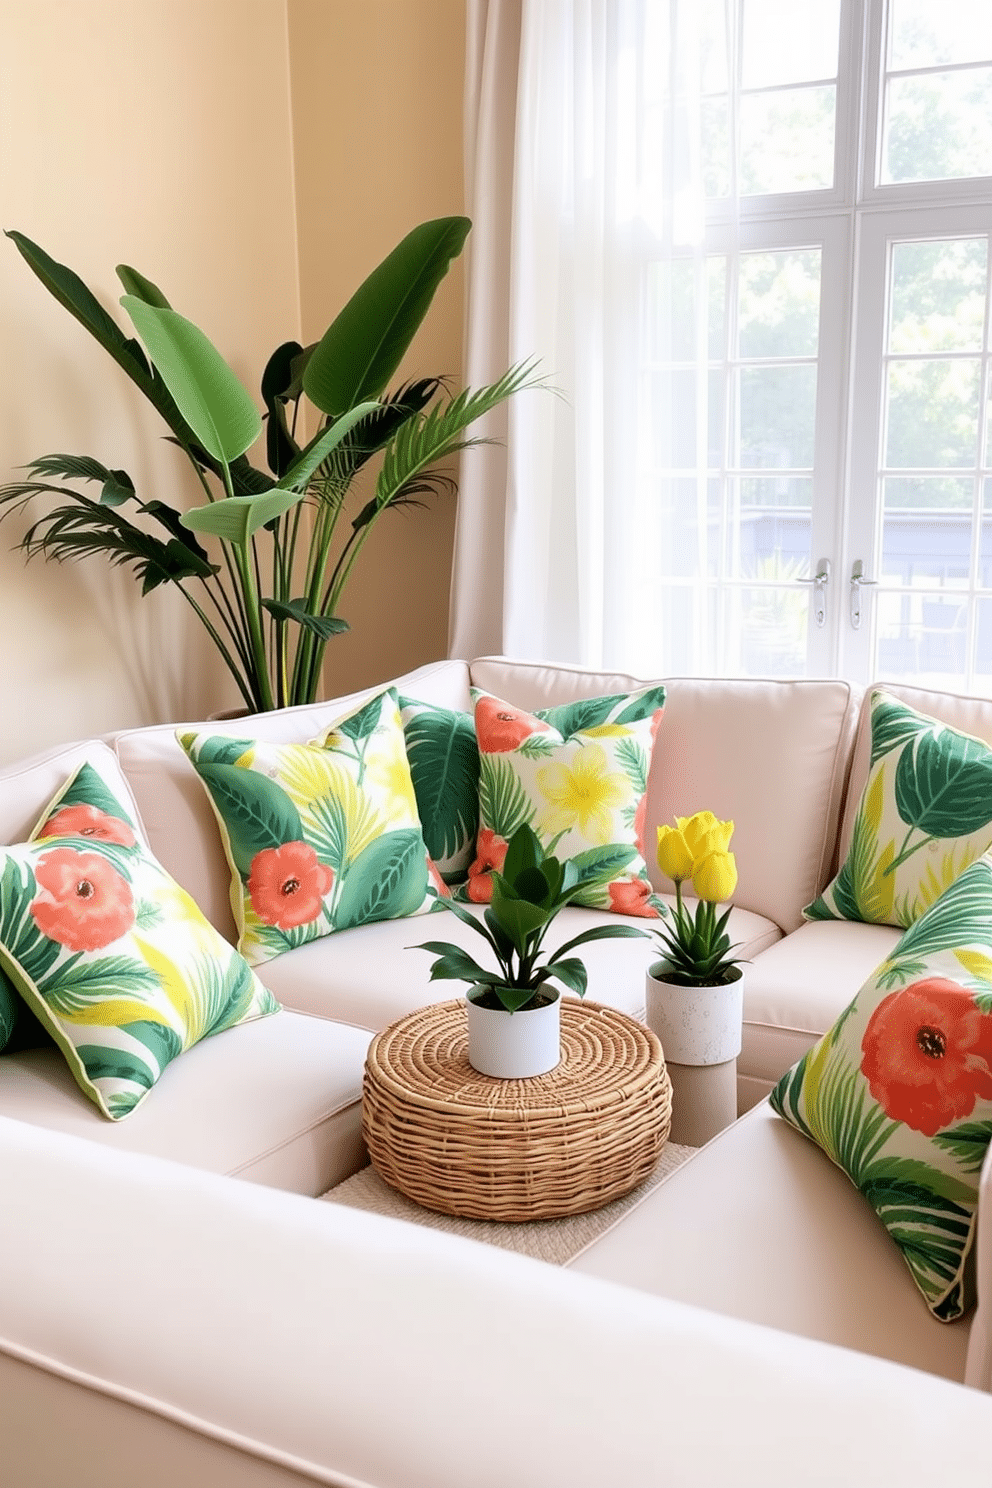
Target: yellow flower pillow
925	814
320	836
578	775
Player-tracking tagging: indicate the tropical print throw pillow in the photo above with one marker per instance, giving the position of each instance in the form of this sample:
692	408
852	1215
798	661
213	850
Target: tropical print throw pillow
924	815
444	763
111	955
578	775
899	1092
320	836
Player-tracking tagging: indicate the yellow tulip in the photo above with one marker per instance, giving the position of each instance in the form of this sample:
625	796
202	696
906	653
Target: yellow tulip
714	876
674	857
705	833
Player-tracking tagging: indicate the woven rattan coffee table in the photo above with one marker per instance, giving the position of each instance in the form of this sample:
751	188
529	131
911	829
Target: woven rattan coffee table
562	1143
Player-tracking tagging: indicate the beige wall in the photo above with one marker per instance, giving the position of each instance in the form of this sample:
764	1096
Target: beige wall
378	148
255	158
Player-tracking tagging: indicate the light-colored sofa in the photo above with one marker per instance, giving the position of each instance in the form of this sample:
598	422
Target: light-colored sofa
159	1318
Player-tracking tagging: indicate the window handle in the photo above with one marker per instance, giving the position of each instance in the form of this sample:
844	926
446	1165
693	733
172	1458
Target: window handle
858	582
820	580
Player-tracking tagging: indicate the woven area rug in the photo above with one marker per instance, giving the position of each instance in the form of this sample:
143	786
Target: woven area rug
553	1240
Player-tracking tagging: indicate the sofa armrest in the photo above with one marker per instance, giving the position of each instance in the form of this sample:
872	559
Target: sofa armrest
343	1346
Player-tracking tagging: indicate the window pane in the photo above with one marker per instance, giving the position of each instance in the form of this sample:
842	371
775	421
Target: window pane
772	631
983	646
777	417
916	493
774	544
779	304
925	34
787	140
922	636
788	494
689	530
932	413
672	419
938	126
670	312
985	549
714	141
933	549
671	307
789	41
679	623
938	295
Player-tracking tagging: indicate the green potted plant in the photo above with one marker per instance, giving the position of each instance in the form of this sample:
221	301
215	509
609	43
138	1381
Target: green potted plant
285	540
513	1014
694	995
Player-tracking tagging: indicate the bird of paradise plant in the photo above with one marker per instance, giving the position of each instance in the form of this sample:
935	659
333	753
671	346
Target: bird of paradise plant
271	603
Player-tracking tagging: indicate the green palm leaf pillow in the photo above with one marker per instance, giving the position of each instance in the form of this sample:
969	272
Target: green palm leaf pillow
924	815
320	836
899	1092
578	775
444	764
110	954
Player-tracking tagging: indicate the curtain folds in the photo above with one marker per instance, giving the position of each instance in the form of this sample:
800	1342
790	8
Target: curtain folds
582	163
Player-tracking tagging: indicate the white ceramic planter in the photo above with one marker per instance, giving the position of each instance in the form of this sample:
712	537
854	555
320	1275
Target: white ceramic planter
696	1025
700	1030
514	1046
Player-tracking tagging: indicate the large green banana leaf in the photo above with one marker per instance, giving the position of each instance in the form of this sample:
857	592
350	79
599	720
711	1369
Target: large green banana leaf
363	346
210	398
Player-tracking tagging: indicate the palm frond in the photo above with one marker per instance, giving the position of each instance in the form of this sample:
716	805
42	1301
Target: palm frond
431	436
88	527
374	433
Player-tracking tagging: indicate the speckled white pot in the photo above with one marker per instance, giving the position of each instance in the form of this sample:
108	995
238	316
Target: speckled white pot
696	1025
514	1046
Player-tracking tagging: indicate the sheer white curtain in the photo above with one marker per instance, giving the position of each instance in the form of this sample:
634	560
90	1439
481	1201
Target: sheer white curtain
583	134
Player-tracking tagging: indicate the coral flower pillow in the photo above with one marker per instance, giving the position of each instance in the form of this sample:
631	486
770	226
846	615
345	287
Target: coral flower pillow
899	1092
111	955
320	836
578	775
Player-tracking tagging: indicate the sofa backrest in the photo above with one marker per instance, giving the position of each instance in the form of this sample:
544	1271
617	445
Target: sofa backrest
972	715
772	756
176	812
29	786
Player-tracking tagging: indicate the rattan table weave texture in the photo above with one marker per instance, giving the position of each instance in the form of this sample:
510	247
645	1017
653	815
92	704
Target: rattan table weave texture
563	1143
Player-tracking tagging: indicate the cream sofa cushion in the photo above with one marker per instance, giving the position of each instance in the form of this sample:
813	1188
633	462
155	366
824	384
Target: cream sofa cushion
771	756
176	811
760	1225
276	1101
371	976
796	990
28	788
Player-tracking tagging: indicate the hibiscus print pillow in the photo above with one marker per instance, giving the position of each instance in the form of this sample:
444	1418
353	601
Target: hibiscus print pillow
110	954
899	1092
578	775
320	836
924	815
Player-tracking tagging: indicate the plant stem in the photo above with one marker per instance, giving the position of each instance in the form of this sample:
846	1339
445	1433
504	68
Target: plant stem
256	636
229	661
